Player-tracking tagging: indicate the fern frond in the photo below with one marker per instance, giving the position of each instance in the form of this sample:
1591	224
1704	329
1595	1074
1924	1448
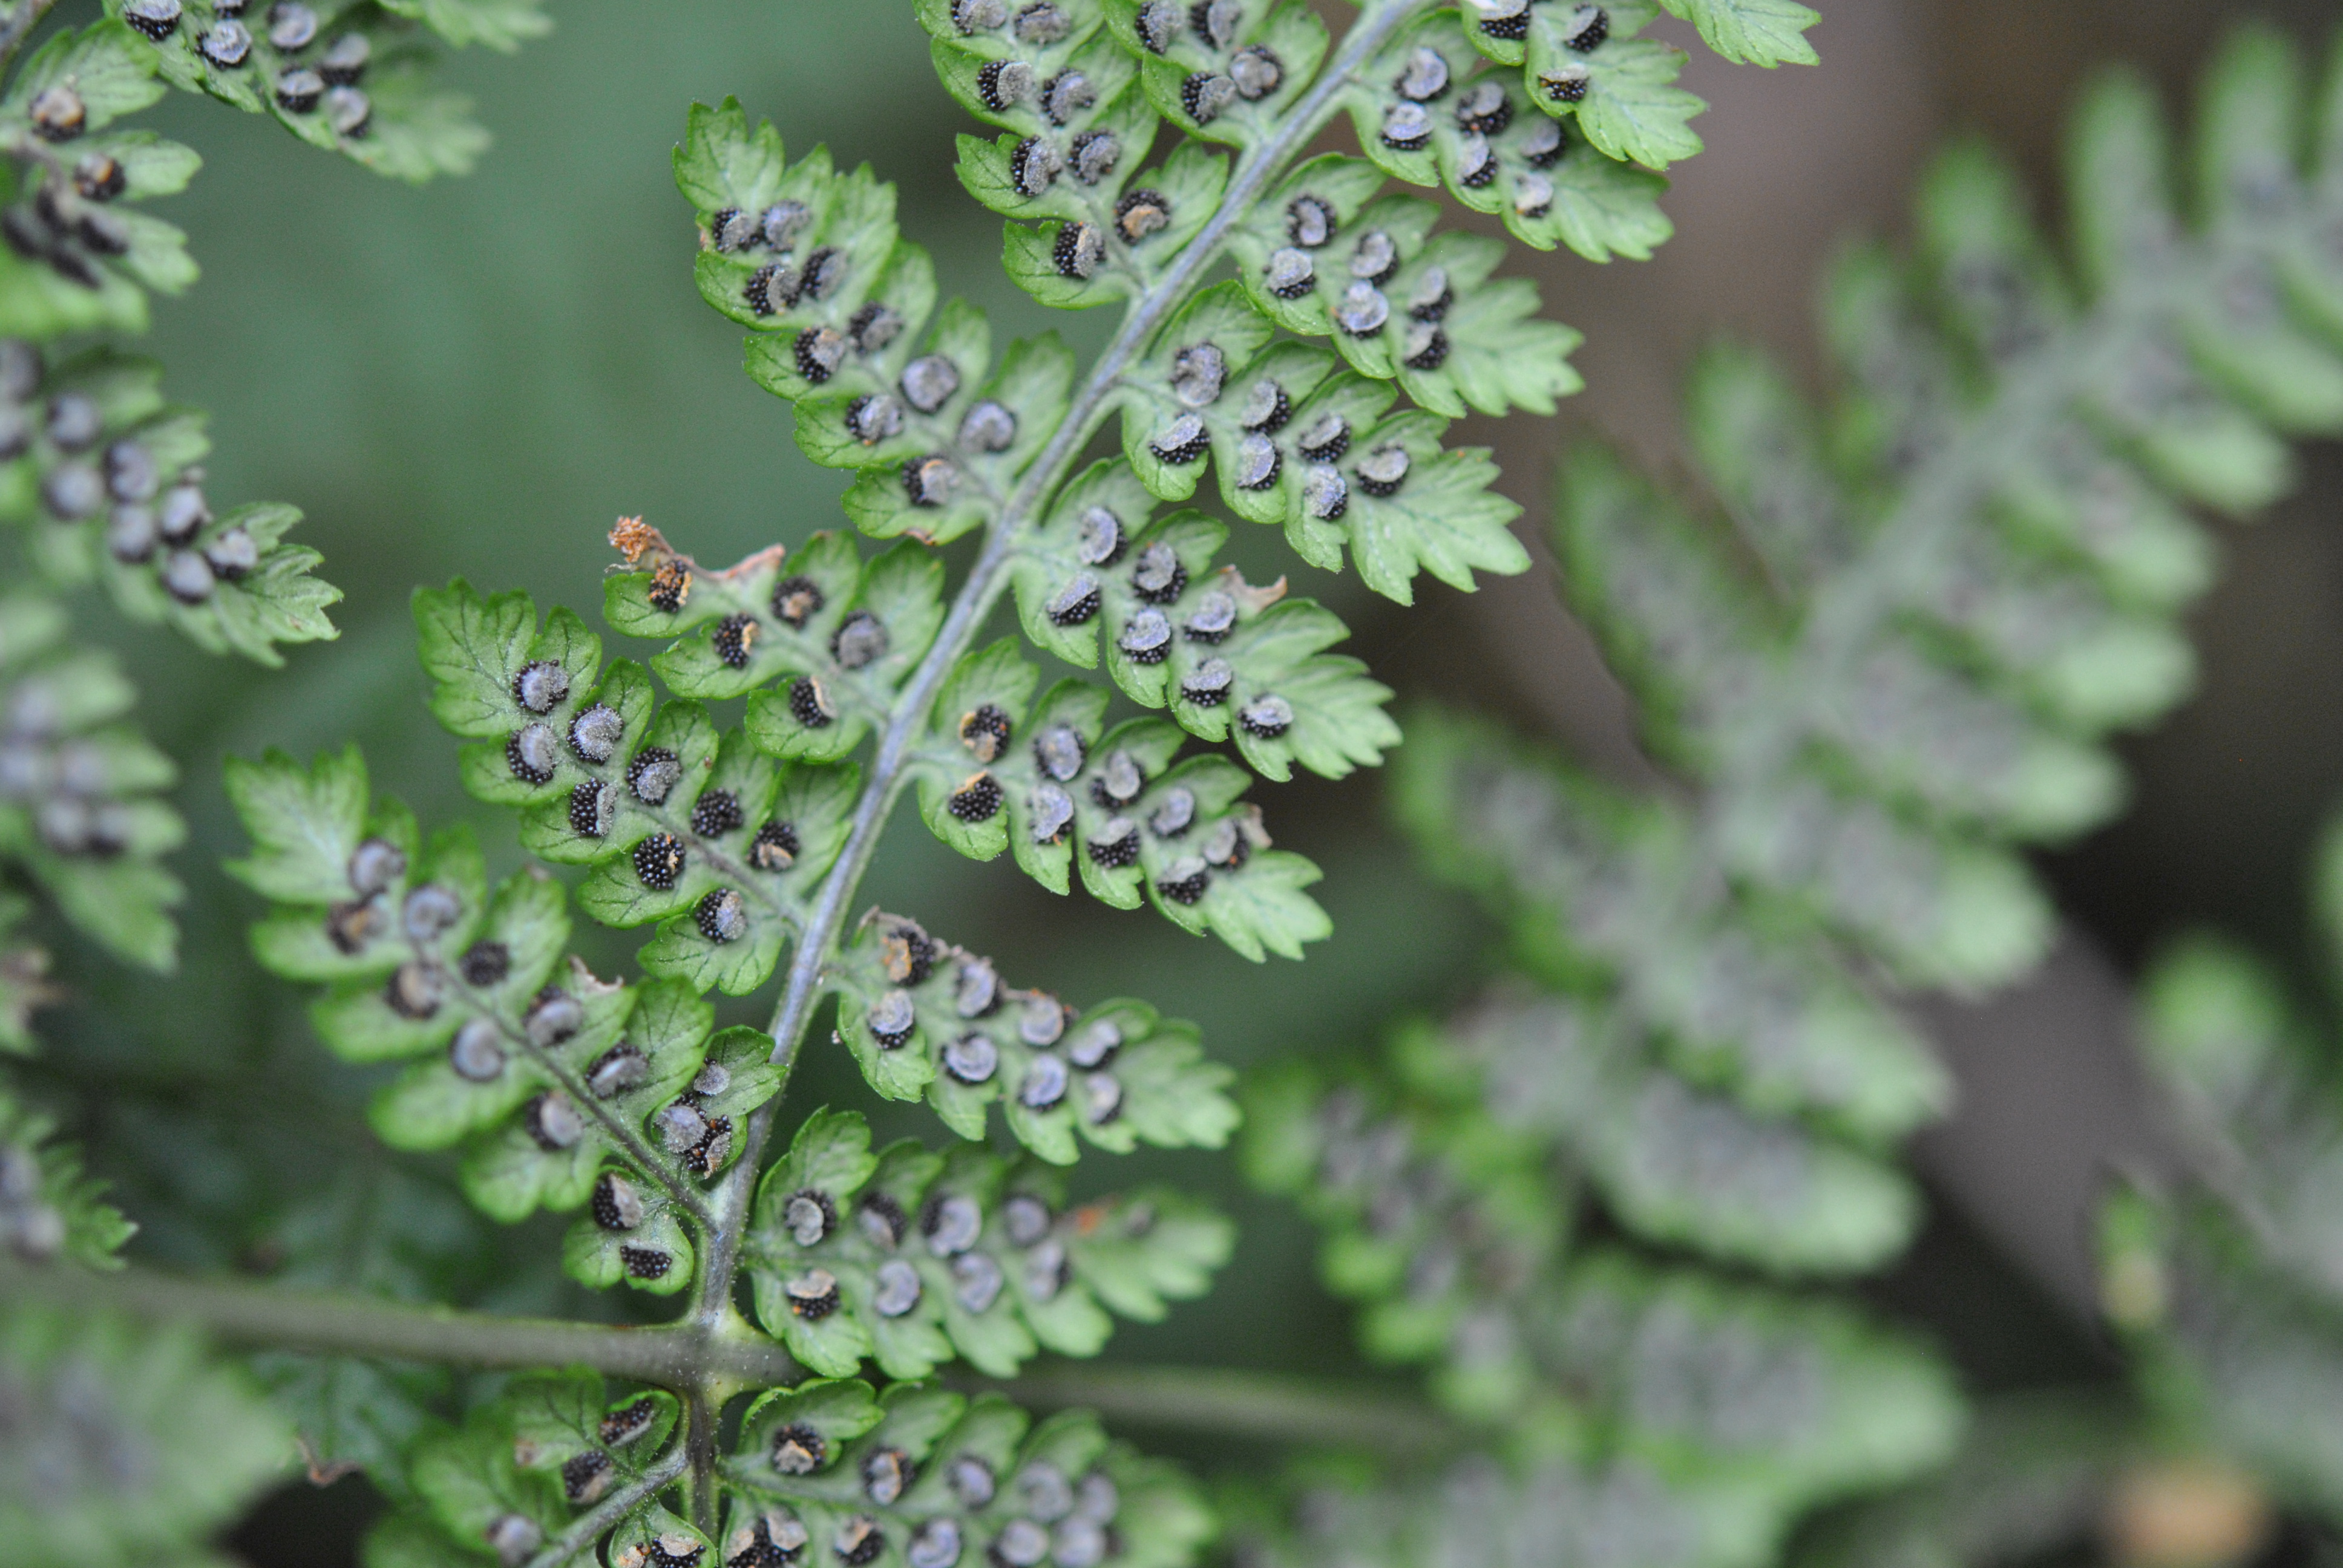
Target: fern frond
349	78
125	1443
48	1208
1453	1222
1484	1512
924	1017
565	1090
557	1469
900	1255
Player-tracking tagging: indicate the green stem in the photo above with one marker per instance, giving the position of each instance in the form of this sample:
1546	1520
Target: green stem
1256	170
701	1409
1238	1405
319	1322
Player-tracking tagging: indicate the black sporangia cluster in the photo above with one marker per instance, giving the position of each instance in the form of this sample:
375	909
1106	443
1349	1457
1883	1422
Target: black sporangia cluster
66	219
153	509
70	785
1239	75
287	51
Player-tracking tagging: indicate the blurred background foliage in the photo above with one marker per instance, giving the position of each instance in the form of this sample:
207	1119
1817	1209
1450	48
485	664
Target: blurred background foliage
477	376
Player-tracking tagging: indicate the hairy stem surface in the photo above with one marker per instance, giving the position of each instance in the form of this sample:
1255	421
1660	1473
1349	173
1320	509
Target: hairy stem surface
1255	171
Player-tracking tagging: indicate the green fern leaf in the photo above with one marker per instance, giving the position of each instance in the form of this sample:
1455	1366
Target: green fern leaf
1759	32
132	1444
932	1471
927	1018
910	1258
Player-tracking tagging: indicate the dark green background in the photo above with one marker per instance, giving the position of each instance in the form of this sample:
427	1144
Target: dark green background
477	376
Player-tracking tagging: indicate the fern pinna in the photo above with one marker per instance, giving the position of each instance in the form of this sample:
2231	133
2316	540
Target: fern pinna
1288	325
1883	657
2218	1274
